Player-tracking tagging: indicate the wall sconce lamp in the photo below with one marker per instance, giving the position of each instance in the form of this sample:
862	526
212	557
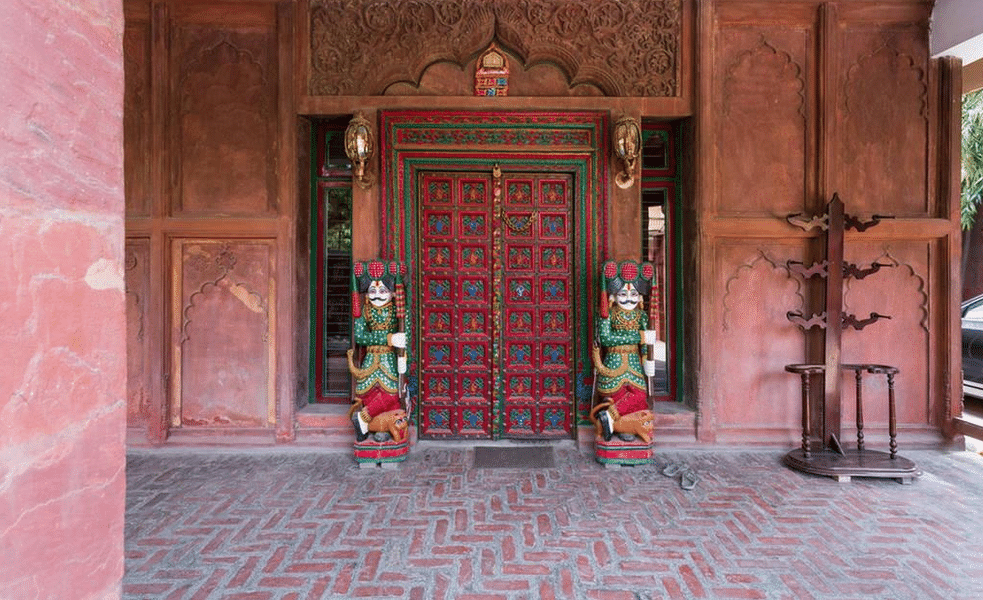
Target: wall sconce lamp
627	139
359	147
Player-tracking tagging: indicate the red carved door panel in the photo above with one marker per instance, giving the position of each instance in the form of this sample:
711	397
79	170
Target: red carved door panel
495	304
537	329
455	305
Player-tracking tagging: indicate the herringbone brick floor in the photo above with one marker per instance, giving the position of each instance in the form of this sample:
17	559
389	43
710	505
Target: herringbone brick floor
261	525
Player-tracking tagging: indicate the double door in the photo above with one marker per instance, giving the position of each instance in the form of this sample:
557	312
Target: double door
495	298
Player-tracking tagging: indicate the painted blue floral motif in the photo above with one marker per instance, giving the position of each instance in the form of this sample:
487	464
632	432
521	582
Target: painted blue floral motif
520	290
439	224
440	289
440	419
520	418
520	354
439	355
519	225
474	290
553	355
553	227
472	417
473	355
554	290
473	224
553	418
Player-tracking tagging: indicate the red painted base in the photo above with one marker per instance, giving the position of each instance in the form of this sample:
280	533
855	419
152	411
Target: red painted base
369	451
617	452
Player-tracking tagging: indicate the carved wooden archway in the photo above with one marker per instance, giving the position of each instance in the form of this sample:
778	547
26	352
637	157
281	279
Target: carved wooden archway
625	48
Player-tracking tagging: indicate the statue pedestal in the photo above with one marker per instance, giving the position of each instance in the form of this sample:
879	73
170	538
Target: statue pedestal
615	452
388	454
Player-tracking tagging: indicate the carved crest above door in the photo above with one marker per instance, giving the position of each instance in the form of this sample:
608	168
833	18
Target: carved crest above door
624	48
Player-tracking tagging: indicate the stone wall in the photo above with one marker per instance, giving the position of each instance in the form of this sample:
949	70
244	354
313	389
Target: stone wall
62	335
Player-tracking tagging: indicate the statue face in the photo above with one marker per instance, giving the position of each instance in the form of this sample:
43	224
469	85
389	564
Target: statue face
379	294
628	297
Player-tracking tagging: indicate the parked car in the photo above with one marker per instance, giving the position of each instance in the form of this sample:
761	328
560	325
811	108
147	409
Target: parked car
972	321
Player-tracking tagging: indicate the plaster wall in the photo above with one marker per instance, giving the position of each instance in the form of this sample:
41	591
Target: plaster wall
62	335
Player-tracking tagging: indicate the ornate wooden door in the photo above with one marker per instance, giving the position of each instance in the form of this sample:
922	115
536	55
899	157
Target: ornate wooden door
495	298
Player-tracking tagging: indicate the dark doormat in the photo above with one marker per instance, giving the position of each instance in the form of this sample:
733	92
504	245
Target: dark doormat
519	457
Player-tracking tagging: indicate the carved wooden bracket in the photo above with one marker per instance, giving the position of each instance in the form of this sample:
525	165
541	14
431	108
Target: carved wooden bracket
806	223
852	270
820	268
807	322
851	222
858	324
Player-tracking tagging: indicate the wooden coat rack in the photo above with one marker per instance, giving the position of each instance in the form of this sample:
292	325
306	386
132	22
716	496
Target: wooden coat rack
831	458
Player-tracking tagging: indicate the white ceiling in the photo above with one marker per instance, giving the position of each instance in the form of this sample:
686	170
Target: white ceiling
957	29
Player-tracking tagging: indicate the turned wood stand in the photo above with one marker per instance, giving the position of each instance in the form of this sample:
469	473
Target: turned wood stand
830	458
837	462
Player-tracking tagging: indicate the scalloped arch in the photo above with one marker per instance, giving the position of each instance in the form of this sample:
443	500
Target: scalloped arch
748	267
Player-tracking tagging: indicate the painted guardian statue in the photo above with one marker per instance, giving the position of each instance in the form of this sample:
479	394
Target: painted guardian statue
623	374
378	308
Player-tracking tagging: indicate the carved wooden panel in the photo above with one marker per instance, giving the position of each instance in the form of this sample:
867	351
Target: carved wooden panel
537	342
226	112
764	78
496	299
753	341
903	292
138	354
136	117
224	346
883	123
456	292
626	48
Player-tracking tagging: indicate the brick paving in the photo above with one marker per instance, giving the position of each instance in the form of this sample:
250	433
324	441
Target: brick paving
290	525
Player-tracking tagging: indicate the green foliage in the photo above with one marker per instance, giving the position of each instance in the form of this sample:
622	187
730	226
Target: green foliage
972	151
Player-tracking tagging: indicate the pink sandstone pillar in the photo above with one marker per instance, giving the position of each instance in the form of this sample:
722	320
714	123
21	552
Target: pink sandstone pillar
62	319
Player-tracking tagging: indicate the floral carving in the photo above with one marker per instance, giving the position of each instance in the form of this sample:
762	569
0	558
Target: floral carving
627	48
